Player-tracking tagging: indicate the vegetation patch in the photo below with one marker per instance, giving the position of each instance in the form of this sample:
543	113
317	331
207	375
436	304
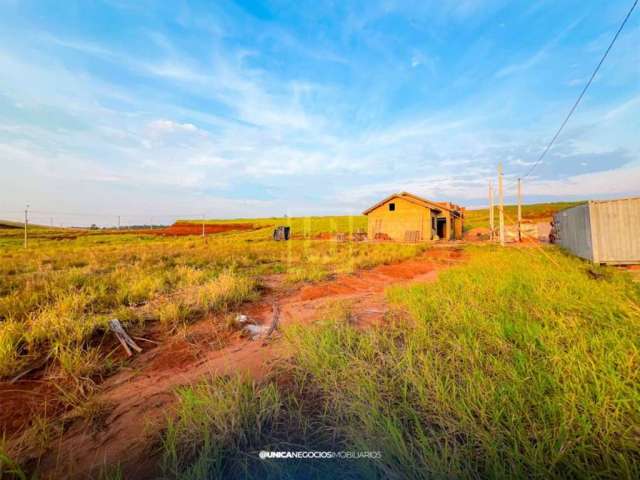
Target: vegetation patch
518	364
56	298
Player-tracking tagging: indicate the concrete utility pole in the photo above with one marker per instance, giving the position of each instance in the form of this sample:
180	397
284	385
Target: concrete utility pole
519	211
118	222
492	227
203	225
501	204
26	223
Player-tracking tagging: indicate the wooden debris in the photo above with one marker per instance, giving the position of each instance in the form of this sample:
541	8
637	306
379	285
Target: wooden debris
412	236
275	321
360	235
125	340
142	339
340	237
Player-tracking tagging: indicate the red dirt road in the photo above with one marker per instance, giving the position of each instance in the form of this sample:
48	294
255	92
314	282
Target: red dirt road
141	396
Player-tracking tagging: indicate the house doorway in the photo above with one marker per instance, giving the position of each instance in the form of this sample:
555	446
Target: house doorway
441	228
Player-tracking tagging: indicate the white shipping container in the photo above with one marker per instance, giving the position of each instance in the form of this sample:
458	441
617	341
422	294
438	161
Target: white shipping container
601	231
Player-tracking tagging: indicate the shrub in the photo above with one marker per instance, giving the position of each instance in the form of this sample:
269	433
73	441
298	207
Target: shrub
174	313
226	291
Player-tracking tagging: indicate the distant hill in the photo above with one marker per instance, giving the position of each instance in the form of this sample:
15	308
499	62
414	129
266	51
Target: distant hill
540	212
10	224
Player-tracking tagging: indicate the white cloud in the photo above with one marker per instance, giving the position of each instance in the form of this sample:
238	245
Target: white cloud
620	181
164	127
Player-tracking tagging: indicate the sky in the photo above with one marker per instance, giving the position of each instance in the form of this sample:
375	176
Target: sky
157	110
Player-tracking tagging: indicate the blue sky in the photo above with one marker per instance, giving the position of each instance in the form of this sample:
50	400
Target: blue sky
247	109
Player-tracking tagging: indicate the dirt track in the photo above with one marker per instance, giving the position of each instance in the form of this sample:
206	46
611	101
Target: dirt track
140	397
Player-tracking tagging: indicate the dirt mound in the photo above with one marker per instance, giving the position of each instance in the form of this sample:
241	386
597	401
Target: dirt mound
24	400
183	229
478	233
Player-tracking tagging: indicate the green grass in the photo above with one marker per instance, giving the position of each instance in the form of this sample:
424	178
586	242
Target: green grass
9	468
522	363
215	419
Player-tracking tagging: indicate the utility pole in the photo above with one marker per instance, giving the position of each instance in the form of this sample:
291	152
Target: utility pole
492	227
26	223
519	211
501	204
118	222
203	225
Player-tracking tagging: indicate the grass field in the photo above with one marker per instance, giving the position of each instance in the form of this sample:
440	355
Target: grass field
523	363
57	295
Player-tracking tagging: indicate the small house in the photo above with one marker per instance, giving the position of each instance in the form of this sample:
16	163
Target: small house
601	231
407	217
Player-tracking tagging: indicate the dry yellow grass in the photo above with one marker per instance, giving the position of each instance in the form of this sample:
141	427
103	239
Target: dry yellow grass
59	295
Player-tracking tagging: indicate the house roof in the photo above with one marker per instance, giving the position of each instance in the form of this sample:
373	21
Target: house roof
409	197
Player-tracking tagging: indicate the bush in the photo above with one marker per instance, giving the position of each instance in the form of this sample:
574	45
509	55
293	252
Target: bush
227	290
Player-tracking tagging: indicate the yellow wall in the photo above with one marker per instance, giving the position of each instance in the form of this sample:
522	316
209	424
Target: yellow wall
407	217
457	228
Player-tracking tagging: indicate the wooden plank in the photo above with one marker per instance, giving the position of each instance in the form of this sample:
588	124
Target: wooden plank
125	340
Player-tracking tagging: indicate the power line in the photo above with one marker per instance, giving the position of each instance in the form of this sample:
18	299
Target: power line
584	90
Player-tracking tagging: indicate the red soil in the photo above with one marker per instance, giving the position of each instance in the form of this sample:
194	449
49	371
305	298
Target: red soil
143	395
24	400
183	229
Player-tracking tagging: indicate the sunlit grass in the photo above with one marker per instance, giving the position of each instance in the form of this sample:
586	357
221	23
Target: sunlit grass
520	364
64	292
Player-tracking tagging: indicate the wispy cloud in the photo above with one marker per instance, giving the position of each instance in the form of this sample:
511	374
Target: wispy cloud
326	119
539	56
